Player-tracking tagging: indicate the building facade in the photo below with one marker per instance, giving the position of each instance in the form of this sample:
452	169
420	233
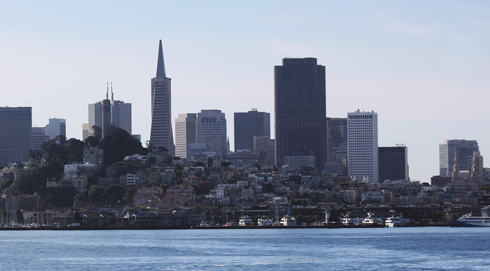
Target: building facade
15	134
393	163
463	149
211	129
264	147
38	137
161	118
337	145
300	108
56	127
362	146
185	134
109	112
249	125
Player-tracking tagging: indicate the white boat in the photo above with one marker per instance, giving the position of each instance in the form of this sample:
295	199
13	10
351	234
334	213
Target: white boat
288	221
469	220
245	221
351	220
263	222
371	220
396	221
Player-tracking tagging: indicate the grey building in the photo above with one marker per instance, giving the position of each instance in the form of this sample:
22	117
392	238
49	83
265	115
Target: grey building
393	163
56	127
161	121
109	112
300	108
337	145
185	134
250	124
38	137
15	134
463	149
211	129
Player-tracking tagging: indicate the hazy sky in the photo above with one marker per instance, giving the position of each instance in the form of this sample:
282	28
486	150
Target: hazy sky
423	66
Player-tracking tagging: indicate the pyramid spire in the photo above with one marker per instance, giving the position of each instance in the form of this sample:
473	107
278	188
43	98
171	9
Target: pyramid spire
161	65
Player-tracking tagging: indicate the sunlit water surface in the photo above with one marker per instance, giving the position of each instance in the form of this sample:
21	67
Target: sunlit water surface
437	248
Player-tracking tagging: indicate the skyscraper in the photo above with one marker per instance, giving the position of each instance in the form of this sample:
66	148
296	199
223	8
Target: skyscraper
55	128
300	108
38	137
362	146
185	133
211	129
250	124
161	126
15	134
109	112
337	145
463	150
393	163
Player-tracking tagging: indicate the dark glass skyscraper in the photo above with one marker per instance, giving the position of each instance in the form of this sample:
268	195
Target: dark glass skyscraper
15	134
250	124
300	108
393	163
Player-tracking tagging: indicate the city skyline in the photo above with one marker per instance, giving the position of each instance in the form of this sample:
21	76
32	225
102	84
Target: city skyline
410	62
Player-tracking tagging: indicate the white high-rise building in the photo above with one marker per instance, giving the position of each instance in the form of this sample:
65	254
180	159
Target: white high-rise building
211	129
362	146
185	134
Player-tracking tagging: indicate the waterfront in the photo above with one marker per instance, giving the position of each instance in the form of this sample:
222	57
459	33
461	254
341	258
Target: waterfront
428	248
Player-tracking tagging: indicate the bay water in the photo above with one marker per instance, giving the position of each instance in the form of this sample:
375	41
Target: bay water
428	248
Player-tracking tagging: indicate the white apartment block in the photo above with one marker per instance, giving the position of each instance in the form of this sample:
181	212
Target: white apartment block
362	146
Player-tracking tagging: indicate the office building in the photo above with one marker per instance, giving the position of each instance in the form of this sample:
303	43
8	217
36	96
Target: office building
85	131
56	127
38	137
337	145
298	157
463	149
109	112
211	129
161	121
300	108
185	134
362	146
393	163
250	124
15	134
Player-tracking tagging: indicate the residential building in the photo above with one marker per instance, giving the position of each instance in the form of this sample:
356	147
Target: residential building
185	134
463	149
15	134
300	108
264	147
211	129
362	146
249	125
393	163
161	107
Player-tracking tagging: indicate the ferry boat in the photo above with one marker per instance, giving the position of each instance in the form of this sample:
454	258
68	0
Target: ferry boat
469	220
245	221
351	220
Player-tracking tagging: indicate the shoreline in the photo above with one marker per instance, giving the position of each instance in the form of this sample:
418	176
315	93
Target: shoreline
335	226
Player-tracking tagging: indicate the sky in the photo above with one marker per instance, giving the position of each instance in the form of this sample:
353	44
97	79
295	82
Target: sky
423	66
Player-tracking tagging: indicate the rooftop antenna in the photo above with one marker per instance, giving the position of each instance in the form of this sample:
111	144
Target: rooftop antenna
112	93
107	93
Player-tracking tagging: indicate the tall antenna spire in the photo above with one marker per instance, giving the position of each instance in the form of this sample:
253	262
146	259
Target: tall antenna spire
112	93
160	65
107	93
